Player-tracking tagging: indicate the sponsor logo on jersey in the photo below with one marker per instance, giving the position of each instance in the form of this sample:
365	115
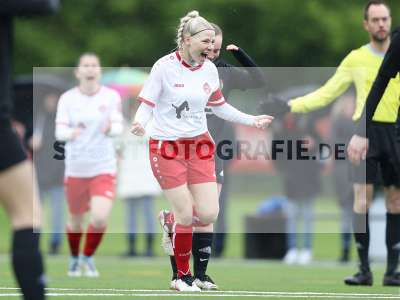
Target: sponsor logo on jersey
179	85
180	108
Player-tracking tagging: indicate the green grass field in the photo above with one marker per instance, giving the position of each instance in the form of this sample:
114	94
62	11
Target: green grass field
239	279
144	278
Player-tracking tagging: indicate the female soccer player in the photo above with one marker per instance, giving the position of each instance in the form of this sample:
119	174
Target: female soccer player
179	88
87	117
21	202
231	77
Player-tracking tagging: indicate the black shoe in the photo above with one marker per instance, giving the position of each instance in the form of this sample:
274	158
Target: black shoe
392	279
361	278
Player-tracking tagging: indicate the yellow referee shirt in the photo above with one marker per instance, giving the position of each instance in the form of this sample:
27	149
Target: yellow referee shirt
359	67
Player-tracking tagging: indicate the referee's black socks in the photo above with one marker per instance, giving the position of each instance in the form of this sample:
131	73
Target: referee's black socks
392	242
361	236
27	264
201	248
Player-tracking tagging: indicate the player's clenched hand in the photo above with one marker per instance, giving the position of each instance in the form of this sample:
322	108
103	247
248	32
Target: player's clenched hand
262	121
232	47
76	132
137	129
357	149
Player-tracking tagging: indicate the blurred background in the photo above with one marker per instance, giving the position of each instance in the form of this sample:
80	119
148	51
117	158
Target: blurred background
297	44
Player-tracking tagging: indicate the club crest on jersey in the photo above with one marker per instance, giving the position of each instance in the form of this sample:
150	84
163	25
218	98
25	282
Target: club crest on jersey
180	108
207	88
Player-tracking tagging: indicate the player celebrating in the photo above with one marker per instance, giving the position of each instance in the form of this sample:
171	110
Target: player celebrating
231	78
179	88
87	117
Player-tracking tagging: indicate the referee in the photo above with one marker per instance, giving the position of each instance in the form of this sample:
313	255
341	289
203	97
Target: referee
361	67
381	143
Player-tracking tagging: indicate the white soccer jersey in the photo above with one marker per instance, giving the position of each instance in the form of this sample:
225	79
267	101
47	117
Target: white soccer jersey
179	94
92	152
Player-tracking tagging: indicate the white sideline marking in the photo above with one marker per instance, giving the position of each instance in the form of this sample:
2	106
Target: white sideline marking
209	295
82	292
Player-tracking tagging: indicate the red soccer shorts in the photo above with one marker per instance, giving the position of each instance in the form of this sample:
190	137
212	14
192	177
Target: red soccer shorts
184	161
79	191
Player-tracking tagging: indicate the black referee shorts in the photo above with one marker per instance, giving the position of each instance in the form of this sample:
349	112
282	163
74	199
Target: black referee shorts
11	150
383	153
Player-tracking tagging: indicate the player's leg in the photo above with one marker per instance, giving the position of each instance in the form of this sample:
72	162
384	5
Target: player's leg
131	216
392	195
20	200
203	239
148	210
56	201
293	215
77	195
391	180
206	206
363	194
202	242
179	223
364	177
100	209
18	195
307	213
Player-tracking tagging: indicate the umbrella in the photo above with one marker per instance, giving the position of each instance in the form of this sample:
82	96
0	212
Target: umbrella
126	81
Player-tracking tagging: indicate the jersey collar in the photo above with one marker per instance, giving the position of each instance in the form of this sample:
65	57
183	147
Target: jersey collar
185	64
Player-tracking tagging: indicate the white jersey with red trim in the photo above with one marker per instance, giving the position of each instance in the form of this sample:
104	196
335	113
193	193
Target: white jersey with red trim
92	152
179	94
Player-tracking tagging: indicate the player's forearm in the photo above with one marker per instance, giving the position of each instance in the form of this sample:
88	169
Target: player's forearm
144	114
322	97
116	129
229	113
64	133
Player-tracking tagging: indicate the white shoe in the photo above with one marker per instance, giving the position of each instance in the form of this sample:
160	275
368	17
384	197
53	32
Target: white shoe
89	267
291	257
186	284
166	242
172	284
206	283
305	257
74	268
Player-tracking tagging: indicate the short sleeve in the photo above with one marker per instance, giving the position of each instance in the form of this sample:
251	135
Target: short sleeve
152	88
62	116
216	98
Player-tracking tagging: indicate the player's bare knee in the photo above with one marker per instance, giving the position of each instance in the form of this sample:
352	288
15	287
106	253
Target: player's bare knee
208	217
99	221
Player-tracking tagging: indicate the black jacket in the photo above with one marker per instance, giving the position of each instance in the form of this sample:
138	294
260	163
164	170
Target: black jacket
232	78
